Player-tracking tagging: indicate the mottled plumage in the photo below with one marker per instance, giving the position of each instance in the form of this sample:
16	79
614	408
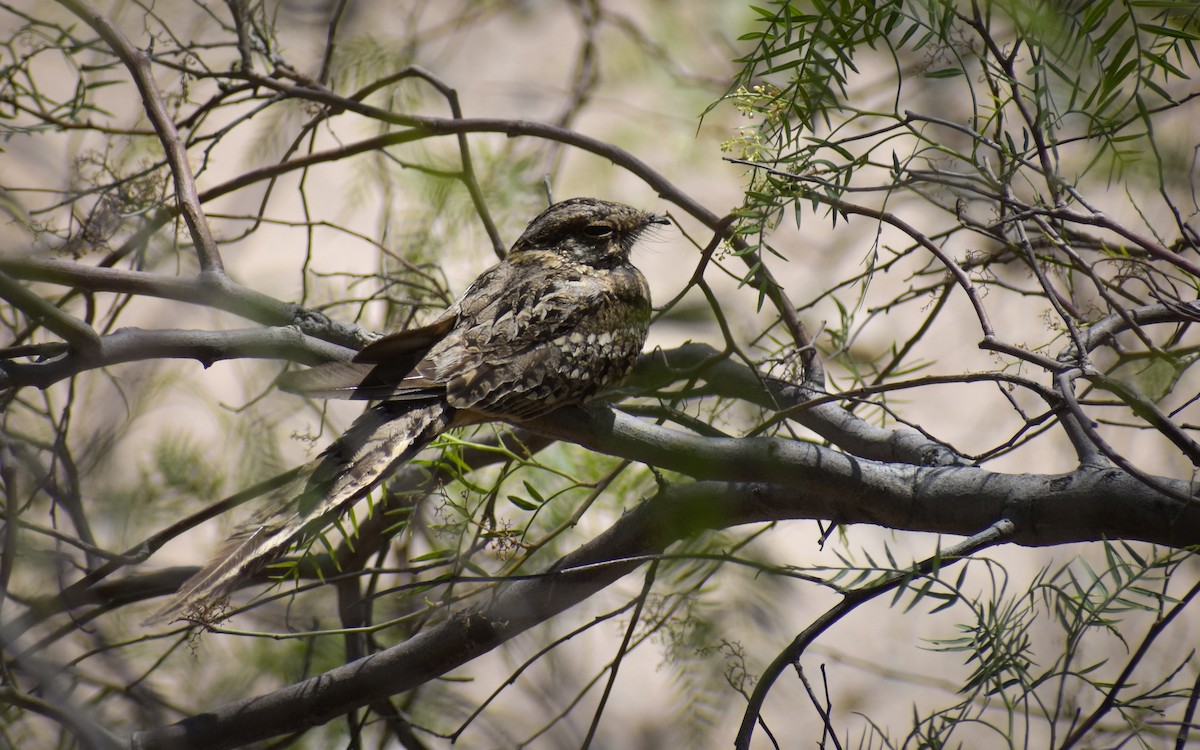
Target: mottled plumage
561	318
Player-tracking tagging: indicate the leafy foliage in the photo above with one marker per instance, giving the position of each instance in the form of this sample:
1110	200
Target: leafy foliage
1044	118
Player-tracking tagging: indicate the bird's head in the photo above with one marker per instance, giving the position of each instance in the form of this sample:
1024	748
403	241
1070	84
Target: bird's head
587	230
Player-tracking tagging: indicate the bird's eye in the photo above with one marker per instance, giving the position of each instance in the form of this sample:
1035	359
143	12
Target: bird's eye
598	231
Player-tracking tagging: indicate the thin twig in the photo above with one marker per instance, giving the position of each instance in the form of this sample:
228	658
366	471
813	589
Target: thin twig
138	63
995	534
647	584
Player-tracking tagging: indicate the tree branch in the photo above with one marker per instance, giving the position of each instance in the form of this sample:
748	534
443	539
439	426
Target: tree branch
135	344
1087	505
960	501
218	293
809	482
814	409
156	109
78	334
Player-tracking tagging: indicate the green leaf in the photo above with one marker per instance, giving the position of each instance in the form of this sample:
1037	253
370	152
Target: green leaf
1169	31
522	503
440	554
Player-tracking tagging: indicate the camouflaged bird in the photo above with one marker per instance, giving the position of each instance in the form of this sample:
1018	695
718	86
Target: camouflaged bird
561	318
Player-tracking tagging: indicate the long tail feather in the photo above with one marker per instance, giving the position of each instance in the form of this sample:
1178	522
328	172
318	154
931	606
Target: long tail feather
385	436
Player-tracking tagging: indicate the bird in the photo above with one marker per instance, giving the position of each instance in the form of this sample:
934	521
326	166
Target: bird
560	319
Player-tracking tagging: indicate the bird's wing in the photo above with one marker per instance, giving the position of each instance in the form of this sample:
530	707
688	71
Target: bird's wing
378	371
412	342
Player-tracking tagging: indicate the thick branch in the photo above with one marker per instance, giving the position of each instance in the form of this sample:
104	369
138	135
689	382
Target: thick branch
810	482
1084	505
135	344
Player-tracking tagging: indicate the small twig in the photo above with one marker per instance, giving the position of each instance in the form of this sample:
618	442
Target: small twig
335	21
10	534
583	79
997	533
826	722
469	177
1049	364
88	733
138	64
1089	430
1185	723
1152	248
240	10
1110	326
79	335
1145	408
886	217
647	584
1110	697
